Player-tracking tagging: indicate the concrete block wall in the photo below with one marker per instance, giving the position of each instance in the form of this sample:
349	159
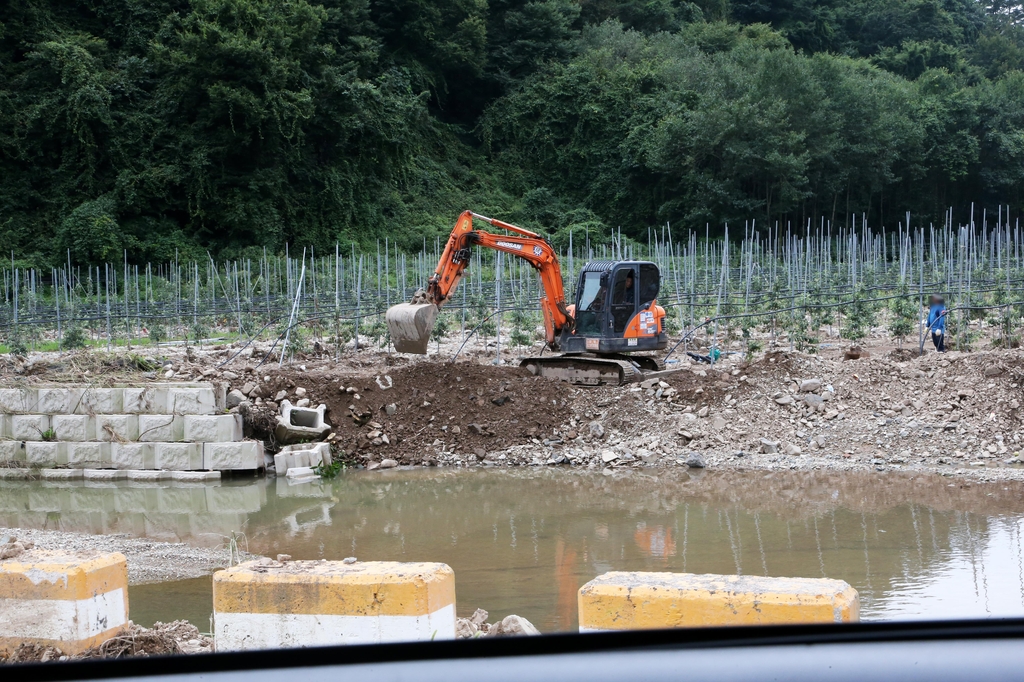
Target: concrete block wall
180	427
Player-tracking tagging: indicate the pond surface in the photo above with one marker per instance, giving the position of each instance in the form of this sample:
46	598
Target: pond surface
524	540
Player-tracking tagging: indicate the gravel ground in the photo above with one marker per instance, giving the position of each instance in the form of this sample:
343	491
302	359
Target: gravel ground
148	561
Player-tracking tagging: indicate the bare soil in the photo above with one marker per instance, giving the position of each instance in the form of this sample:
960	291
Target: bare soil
957	414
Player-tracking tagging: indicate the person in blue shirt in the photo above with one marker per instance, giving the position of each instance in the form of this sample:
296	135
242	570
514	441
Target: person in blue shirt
937	322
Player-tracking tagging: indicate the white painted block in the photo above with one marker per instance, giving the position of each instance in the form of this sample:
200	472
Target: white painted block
300	472
193	400
15	400
92	455
318	453
161	428
304	604
101	401
286	461
117	427
178	456
57	400
242	456
29	426
65	599
195	476
12	451
104	475
221	428
146	475
132	456
74	427
61	474
220	395
41	454
248	631
147	400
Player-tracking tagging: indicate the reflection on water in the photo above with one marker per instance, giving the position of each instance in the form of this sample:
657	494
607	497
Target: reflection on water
523	541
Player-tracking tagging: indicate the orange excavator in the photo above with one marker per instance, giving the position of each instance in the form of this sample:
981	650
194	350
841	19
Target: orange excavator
614	315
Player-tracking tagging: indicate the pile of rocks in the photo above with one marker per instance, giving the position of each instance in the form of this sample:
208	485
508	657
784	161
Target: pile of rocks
477	626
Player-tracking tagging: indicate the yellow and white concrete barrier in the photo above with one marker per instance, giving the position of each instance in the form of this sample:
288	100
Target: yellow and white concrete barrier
636	601
68	600
265	604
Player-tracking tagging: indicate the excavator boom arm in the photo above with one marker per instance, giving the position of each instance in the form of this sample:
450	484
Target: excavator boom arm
527	245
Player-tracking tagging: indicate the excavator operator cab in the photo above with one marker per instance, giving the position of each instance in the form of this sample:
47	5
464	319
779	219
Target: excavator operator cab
615	308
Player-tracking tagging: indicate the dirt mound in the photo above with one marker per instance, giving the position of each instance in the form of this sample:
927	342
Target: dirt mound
407	412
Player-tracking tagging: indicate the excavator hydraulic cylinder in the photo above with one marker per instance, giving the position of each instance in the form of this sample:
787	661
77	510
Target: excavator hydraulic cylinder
410	325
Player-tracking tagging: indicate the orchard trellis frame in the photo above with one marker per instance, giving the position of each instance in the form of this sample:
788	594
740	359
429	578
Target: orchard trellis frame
784	279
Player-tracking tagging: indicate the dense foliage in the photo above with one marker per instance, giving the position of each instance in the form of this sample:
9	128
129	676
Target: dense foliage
164	126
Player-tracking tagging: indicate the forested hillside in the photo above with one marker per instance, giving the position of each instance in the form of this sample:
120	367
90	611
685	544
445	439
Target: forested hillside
164	125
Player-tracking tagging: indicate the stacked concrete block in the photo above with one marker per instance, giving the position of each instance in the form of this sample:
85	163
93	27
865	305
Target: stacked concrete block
296	424
180	427
302	455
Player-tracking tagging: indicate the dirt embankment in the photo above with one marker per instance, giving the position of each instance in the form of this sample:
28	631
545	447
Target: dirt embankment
957	414
406	413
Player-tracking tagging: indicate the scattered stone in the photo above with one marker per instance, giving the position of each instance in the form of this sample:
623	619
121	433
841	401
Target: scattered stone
229	375
391	409
349	560
388	464
464	629
647	456
810	385
512	625
813	401
13	549
993	370
234	398
284	557
300	392
792	449
694	460
718	423
248	388
370	466
596	429
769	447
281	395
609	456
784	400
476	429
703	412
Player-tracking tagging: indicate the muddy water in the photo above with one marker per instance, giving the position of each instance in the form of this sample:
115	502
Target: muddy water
523	541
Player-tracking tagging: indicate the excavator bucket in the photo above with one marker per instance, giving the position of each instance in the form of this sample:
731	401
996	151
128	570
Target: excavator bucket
410	325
